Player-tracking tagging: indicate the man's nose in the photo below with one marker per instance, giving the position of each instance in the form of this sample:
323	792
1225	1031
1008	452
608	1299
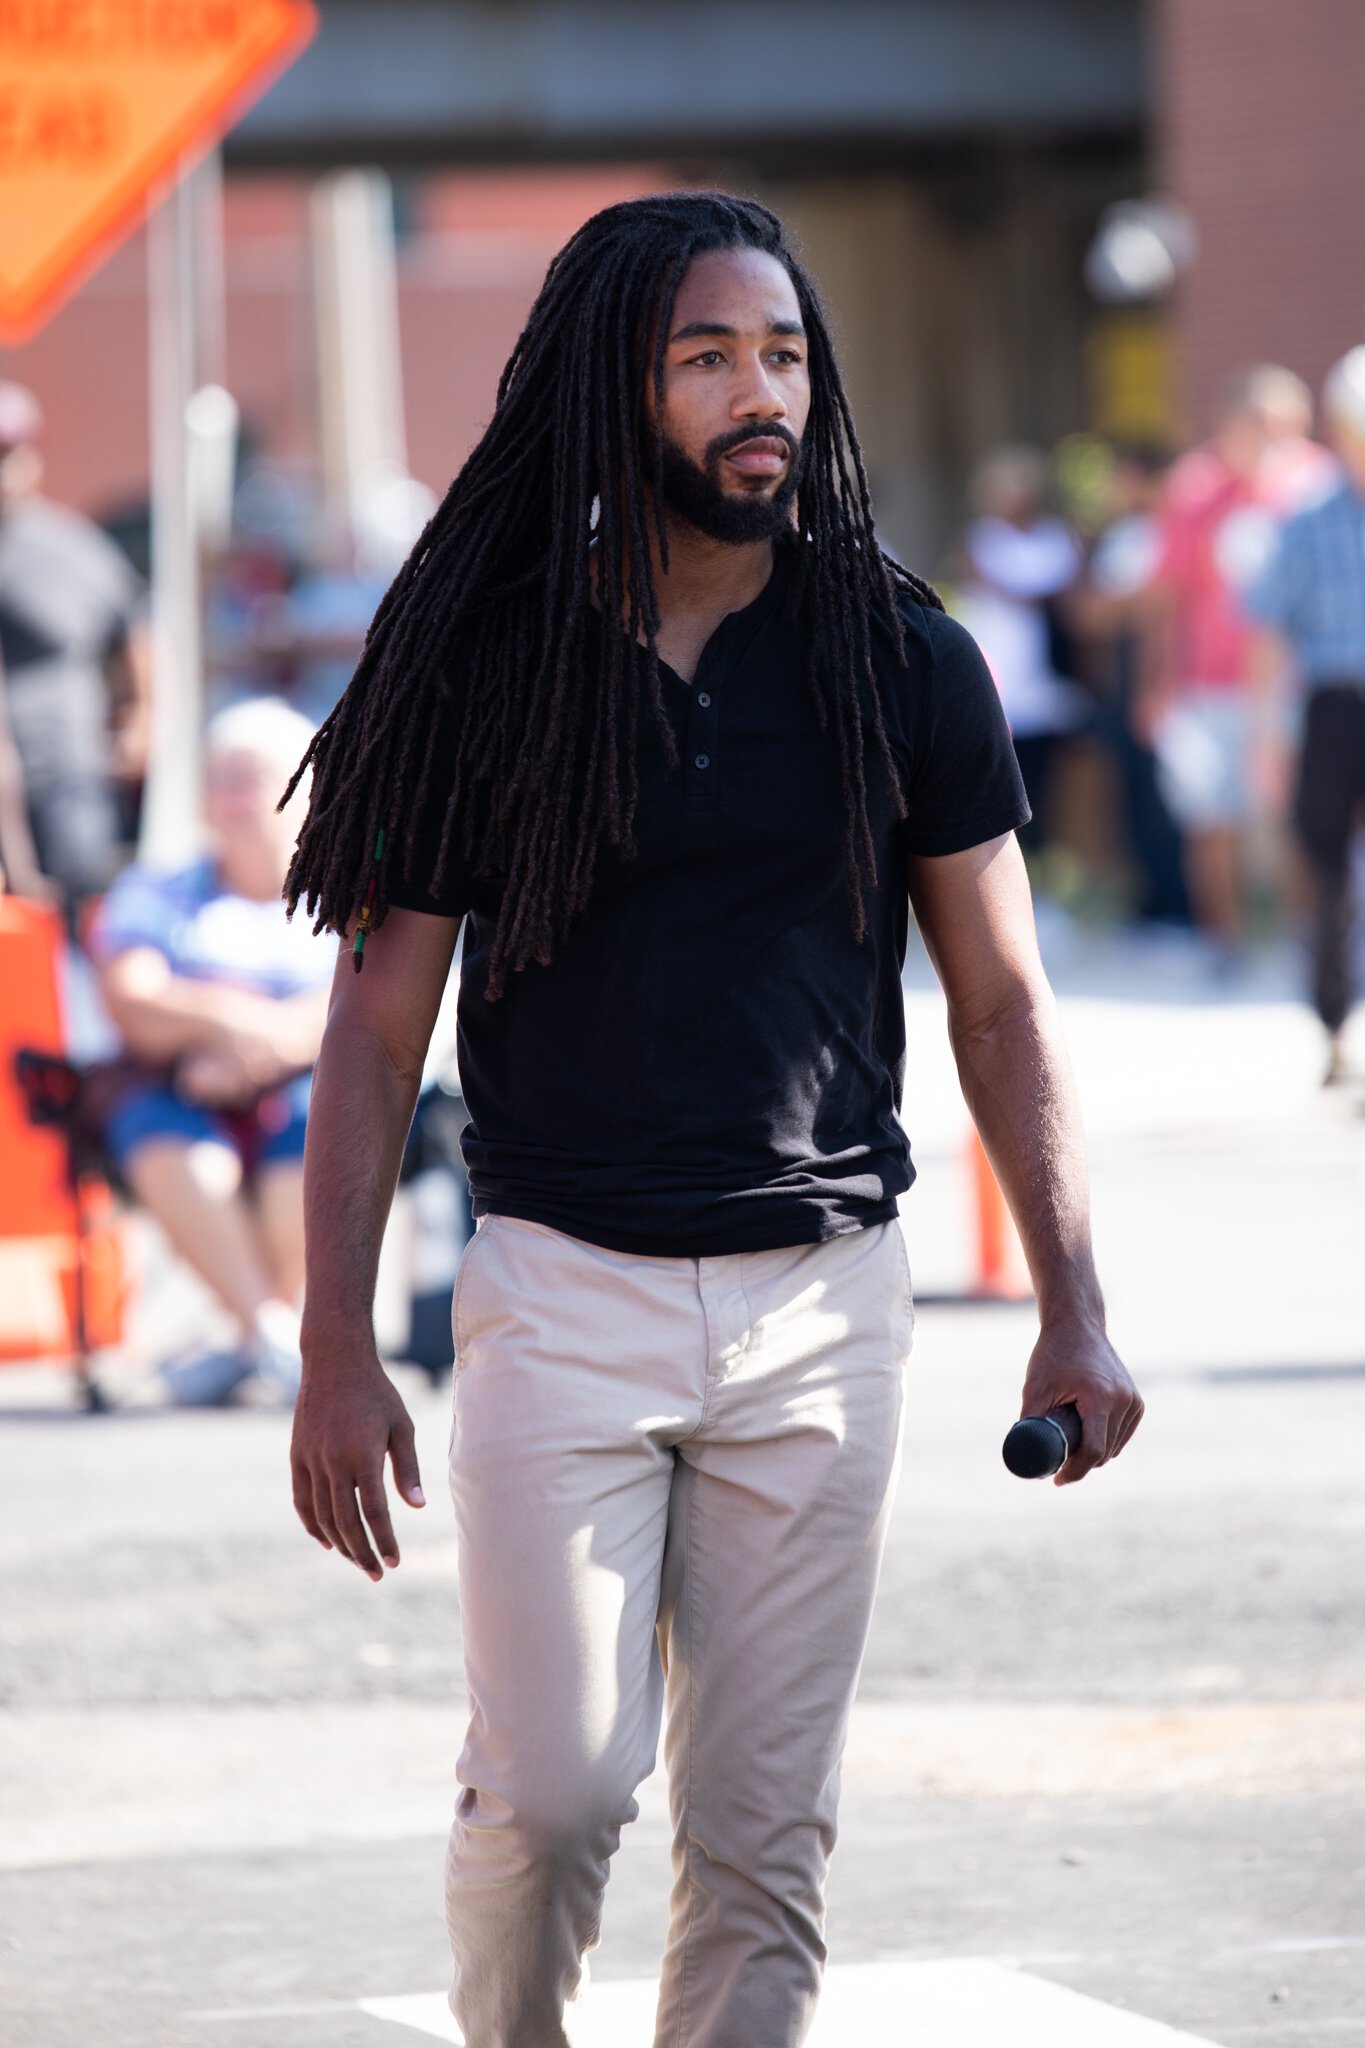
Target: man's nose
757	396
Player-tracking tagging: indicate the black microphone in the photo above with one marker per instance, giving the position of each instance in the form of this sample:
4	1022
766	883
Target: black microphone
1040	1445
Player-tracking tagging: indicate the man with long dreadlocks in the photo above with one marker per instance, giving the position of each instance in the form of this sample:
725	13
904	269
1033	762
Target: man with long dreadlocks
651	713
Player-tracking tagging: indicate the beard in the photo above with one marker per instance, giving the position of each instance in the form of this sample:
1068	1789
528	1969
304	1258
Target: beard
694	491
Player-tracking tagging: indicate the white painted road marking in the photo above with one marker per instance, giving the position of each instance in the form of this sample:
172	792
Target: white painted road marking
957	2004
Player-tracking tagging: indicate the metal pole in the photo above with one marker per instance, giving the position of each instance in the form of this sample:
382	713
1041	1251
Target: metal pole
210	270
171	832
360	375
213	417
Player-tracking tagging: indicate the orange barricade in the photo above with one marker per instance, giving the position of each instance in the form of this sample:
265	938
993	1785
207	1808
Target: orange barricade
62	1287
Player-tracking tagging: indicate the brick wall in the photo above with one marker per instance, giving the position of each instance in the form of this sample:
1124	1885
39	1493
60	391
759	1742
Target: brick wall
1261	113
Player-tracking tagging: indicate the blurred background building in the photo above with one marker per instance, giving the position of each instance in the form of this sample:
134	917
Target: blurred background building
947	164
1254	126
1055	225
1061	224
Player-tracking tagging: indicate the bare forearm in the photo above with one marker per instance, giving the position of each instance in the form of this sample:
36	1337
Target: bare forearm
974	911
165	1016
179	1016
17	853
349	1417
1017	1081
1268	672
1156	664
358	1118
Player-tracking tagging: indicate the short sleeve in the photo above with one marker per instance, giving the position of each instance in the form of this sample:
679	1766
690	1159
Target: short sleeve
142	908
1275	597
416	850
965	786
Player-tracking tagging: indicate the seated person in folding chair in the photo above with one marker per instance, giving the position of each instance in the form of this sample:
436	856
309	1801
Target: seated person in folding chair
223	1001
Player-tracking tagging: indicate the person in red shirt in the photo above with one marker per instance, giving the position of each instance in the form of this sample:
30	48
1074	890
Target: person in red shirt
1221	511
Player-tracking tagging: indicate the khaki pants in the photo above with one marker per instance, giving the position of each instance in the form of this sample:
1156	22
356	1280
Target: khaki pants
671	1482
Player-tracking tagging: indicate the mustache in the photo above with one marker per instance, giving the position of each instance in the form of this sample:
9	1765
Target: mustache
736	437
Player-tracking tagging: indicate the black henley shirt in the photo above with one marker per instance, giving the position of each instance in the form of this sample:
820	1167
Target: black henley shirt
712	1062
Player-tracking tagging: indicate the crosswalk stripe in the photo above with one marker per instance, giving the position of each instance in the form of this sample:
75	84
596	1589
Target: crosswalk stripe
953	2004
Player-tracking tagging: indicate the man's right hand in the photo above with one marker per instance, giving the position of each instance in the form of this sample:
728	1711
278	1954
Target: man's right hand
344	1428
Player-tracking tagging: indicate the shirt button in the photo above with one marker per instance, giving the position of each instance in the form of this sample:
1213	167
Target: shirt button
703	761
704	700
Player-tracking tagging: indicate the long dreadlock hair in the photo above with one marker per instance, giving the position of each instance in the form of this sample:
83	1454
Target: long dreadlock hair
499	589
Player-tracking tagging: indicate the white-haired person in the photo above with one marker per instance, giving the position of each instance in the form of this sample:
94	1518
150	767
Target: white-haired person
222	1001
1310	601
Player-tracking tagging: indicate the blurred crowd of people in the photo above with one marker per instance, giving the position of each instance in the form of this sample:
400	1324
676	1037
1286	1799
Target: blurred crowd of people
1196	628
1201	630
212	1001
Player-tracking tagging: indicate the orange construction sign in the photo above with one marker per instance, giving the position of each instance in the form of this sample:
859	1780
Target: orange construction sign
99	101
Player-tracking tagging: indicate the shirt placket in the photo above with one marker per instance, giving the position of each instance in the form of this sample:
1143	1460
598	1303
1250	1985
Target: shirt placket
702	760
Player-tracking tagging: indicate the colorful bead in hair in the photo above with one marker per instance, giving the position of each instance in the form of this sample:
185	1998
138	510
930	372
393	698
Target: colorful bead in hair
367	908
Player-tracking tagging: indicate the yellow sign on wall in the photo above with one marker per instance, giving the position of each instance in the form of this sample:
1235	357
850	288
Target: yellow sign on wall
99	101
1131	377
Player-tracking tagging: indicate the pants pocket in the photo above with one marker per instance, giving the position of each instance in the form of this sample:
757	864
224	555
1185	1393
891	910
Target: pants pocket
908	1291
457	1306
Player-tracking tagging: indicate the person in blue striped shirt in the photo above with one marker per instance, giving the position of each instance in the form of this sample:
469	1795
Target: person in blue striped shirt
1310	599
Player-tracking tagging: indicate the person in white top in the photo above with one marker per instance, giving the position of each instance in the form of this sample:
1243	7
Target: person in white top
1021	560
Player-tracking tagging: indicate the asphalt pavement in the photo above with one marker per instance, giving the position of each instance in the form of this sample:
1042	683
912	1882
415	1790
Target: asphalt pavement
1109	1743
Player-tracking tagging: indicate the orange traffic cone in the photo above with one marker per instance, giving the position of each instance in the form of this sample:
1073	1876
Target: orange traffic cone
1001	1273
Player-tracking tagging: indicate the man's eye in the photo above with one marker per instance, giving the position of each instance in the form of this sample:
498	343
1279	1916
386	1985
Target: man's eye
708	355
786	355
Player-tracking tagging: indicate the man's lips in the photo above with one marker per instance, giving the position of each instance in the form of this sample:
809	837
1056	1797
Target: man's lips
762	456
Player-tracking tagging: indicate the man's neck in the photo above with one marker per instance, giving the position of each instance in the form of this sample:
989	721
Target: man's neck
708	578
706	581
